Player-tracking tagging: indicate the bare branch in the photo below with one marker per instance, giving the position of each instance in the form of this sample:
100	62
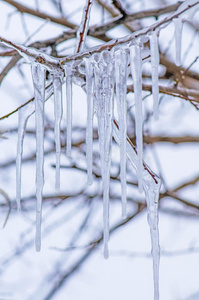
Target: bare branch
24	9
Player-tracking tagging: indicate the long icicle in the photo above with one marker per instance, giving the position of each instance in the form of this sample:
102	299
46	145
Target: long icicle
107	89
151	185
90	112
136	70
152	196
68	74
153	36
23	115
121	64
104	107
178	39
38	76
57	86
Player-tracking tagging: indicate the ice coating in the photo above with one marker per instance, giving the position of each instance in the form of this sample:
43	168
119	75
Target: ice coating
83	28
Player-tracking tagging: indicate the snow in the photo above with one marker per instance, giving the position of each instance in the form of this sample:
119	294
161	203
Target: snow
57	86
90	113
136	70
23	114
153	36
104	89
121	65
38	77
68	74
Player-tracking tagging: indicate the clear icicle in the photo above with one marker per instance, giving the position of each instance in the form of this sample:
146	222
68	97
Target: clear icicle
152	196
90	112
178	39
68	74
23	114
38	76
154	64
121	65
104	87
151	185
136	70
57	86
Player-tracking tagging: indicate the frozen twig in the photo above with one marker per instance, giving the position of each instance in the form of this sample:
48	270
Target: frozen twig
83	28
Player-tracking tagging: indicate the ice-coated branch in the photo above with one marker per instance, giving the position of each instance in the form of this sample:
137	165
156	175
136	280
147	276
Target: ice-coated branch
83	28
125	40
33	55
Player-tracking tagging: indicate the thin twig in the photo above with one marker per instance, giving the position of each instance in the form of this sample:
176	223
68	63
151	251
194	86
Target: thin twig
83	28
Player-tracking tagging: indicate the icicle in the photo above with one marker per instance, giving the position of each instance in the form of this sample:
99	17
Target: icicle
152	196
151	185
90	112
136	70
57	86
68	74
104	87
121	65
83	28
178	39
23	114
38	76
154	64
